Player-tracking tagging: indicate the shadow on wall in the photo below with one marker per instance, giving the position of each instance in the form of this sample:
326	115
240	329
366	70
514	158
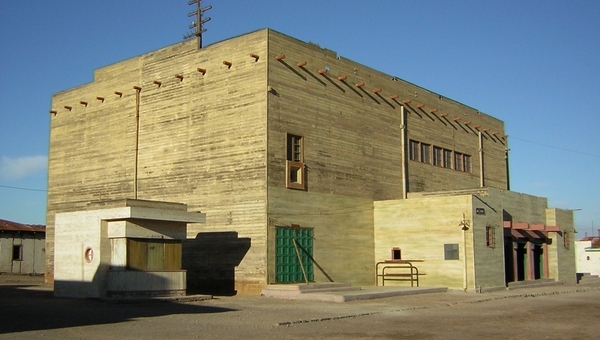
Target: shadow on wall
210	260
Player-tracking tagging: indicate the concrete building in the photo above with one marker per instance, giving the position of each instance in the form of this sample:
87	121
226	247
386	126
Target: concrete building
587	253
293	151
22	248
125	248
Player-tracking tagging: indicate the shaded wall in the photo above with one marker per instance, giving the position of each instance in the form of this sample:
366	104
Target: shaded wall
210	260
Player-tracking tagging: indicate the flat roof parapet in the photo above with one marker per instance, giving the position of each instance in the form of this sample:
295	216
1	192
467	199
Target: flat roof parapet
131	202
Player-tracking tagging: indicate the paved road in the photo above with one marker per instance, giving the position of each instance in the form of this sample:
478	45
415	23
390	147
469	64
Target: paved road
29	311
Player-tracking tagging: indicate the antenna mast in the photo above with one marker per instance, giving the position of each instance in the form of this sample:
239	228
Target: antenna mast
199	22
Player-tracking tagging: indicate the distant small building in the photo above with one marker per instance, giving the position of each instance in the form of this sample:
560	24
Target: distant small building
22	248
587	254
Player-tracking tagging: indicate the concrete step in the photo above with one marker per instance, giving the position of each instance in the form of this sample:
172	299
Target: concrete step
533	283
340	292
293	290
369	293
302	287
588	279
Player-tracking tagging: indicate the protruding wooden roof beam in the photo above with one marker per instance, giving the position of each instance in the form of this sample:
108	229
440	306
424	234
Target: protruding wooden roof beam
255	56
227	63
280	57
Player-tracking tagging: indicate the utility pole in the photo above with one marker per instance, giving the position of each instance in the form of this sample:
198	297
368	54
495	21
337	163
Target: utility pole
198	23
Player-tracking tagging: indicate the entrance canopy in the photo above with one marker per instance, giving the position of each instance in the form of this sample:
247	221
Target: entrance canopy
528	231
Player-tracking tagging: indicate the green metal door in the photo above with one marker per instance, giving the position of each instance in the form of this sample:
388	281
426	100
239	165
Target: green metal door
288	266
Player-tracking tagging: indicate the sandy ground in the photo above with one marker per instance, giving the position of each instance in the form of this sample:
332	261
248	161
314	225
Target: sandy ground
28	310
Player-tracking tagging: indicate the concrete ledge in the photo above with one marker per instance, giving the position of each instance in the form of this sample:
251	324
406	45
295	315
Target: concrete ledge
533	283
342	292
156	299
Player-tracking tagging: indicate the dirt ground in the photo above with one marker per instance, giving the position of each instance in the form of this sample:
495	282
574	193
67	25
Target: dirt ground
28	310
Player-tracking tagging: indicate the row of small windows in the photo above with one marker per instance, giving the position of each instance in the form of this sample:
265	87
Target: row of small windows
435	155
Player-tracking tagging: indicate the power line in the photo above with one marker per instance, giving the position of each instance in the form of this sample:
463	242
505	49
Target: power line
18	188
555	147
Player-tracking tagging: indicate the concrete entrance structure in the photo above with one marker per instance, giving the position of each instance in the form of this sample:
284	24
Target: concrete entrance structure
479	239
131	247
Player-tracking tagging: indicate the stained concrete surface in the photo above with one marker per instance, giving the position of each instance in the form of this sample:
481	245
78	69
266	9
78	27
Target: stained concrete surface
28	310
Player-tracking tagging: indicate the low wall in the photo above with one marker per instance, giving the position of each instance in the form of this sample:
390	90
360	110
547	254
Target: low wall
123	283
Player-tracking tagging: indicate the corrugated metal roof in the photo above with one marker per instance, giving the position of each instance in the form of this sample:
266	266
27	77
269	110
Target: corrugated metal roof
595	241
14	226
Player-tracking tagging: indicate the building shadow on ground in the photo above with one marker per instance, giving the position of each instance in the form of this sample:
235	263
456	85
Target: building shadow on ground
25	308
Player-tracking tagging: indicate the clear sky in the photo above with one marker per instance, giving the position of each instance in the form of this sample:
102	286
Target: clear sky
533	64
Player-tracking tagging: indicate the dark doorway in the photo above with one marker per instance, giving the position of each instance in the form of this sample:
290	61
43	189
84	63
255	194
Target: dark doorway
538	261
509	261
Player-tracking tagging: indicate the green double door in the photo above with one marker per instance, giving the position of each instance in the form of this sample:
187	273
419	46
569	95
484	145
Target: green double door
288	267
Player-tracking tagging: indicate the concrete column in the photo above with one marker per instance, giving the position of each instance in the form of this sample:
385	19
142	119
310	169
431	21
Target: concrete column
546	263
530	270
515	247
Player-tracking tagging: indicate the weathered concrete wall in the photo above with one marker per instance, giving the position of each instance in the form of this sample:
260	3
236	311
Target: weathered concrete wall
342	231
353	148
201	140
489	259
562	252
420	227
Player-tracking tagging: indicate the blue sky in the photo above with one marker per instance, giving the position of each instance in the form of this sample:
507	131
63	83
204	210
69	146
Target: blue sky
533	64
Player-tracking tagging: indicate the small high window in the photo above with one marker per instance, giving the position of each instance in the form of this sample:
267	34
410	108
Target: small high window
451	251
490	237
17	254
396	254
414	150
437	156
458	161
425	153
295	168
467	163
295	152
447	161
